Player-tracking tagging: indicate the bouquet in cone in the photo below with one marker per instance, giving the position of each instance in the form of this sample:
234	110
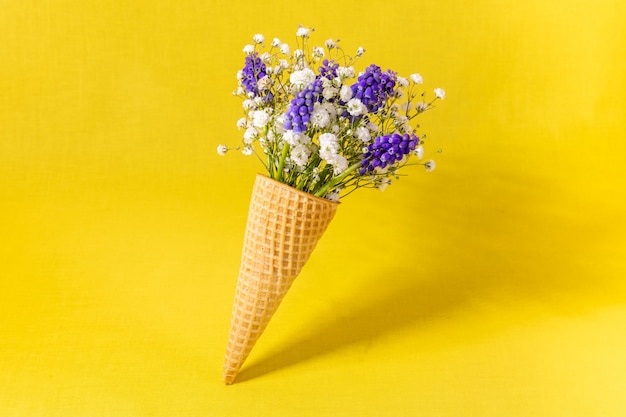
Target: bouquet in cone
322	131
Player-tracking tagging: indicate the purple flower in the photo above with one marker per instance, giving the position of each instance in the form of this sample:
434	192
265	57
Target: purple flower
387	150
300	109
328	69
373	87
252	72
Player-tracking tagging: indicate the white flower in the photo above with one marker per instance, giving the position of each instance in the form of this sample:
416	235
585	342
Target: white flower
421	106
247	150
384	183
330	109
402	82
329	92
373	127
260	118
439	93
266	57
328	144
360	51
318	52
291	137
248	49
284	63
334	196
275	42
284	49
363	134
222	149
241	123
258	38
355	107
303	32
430	165
239	75
298	53
345	72
248	104
345	93
249	135
279	124
339	163
300	155
264	83
330	44
320	117
417	79
419	152
302	78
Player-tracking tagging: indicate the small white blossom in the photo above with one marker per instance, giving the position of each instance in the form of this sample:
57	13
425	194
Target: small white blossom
439	93
320	117
339	163
421	106
360	51
247	150
248	49
363	134
329	92
300	155
260	118
302	78
334	196
355	107
430	166
330	109
264	83
303	32
298	53
330	44
275	42
373	127
417	79
345	93
248	104
402	82
241	123
279	124
383	184
284	63
345	72
419	152
266	57
284	49
222	149
258	38
328	143
249	135
318	52
239	75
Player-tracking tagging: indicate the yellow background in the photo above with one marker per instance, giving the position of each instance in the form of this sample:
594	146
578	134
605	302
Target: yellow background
493	286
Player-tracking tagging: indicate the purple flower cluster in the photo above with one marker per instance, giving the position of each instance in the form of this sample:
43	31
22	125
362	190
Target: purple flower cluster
301	107
253	71
329	69
387	150
373	87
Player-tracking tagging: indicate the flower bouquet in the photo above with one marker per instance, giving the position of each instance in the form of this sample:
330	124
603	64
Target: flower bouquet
322	131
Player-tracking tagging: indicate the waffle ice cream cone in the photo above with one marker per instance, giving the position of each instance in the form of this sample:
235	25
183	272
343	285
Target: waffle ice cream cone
283	227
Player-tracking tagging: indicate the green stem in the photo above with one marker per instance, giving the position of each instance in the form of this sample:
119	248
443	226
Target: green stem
281	163
332	184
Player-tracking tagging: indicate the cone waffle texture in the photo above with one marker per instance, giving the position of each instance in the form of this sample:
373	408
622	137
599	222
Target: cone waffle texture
283	227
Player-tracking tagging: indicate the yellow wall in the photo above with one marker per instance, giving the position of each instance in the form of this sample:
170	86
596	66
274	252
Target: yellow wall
493	286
